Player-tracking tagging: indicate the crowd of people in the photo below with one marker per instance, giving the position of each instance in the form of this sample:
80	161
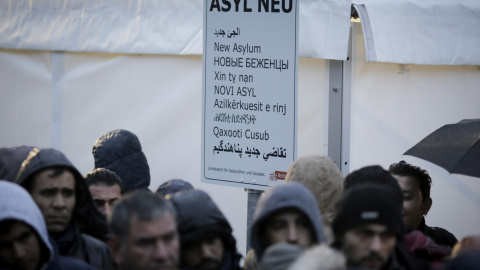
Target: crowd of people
52	217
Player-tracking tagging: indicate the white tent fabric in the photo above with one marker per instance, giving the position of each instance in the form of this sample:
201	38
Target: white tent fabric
427	32
114	26
150	26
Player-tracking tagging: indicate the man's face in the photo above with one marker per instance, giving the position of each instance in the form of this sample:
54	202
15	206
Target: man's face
414	207
104	196
151	244
205	255
368	246
55	196
19	248
288	226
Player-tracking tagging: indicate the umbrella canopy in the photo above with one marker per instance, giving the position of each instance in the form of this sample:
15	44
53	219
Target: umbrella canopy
454	147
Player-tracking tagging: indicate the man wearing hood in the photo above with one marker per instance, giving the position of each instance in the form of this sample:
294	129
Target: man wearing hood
288	213
60	192
24	242
206	237
121	152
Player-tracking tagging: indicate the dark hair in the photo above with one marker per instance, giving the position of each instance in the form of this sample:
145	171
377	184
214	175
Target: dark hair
424	181
140	203
102	176
372	174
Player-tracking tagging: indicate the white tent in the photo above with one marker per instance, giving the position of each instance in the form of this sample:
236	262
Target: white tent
74	70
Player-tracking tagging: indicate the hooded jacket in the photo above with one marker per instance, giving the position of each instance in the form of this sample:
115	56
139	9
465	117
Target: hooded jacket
17	204
198	216
11	159
120	151
173	186
280	197
321	176
86	219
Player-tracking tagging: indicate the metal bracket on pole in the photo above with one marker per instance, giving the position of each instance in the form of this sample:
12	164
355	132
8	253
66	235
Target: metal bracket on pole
253	196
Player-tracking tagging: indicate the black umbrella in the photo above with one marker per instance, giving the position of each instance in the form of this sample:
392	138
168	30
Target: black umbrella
454	147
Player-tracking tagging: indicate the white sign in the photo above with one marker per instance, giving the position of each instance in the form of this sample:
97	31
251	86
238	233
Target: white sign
250	60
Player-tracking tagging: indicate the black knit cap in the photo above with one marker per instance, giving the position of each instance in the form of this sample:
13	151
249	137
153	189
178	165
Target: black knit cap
369	204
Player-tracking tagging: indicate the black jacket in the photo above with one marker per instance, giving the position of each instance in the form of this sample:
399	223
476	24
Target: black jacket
84	247
65	262
401	259
439	235
120	151
198	216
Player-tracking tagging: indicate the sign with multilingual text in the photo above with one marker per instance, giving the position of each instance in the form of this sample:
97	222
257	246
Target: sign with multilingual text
250	61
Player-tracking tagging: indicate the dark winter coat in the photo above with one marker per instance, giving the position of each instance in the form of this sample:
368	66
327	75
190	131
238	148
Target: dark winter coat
439	235
402	259
120	151
290	195
86	218
424	247
11	158
198	216
84	247
469	260
17	204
